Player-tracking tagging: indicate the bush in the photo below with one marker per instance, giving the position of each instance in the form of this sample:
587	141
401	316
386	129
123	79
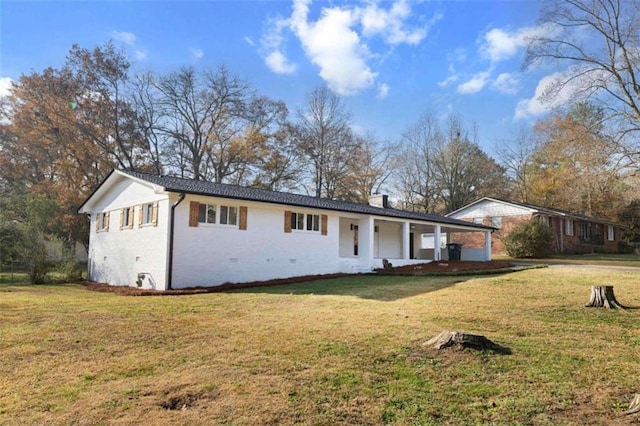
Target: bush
529	239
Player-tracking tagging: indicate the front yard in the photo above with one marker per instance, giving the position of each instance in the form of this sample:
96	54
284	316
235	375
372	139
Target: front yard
340	351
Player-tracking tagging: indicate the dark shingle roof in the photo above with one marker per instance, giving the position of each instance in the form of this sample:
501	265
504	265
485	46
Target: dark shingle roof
557	212
199	187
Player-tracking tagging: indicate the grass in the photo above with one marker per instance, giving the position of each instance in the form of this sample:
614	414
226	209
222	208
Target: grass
341	351
594	259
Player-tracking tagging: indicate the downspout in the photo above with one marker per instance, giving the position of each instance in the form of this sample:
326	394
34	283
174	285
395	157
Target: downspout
171	229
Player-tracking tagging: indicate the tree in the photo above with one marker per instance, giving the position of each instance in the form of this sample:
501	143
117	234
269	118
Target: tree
416	174
516	159
325	141
442	170
372	165
598	42
575	167
67	128
464	172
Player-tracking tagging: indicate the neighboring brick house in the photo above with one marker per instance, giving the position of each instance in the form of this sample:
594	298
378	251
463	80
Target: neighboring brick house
572	232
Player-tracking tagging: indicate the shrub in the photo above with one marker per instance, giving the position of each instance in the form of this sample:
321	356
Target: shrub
529	239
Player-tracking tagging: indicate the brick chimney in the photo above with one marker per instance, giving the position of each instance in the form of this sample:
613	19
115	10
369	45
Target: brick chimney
379	200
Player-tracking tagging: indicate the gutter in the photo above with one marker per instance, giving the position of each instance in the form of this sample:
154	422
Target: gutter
171	232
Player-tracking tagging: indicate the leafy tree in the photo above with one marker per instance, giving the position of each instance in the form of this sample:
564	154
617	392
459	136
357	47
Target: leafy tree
25	226
575	167
530	238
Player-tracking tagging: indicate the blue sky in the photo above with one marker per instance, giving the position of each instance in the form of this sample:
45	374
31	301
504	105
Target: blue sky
392	60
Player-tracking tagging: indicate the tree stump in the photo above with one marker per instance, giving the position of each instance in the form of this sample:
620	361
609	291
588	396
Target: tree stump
602	297
462	340
635	405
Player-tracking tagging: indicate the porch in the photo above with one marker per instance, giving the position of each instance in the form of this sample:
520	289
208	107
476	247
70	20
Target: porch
364	242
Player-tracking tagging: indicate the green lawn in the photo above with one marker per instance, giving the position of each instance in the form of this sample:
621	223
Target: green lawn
602	259
341	351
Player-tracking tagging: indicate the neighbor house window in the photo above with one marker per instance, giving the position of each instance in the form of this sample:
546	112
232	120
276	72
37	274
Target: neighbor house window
496	221
305	222
477	220
544	220
568	227
102	222
611	234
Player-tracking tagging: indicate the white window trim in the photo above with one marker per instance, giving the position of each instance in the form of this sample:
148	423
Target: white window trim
294	223
218	209
611	233
101	218
147	214
568	227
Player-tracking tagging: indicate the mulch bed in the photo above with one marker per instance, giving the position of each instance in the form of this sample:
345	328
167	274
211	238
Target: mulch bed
431	268
449	267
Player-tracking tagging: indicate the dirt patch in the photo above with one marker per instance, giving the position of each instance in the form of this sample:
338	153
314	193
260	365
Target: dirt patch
432	268
449	267
134	291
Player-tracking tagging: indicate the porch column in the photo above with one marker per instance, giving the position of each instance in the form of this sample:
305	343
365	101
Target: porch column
406	229
436	244
371	232
487	245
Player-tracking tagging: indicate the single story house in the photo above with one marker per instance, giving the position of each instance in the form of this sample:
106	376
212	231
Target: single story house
572	232
164	232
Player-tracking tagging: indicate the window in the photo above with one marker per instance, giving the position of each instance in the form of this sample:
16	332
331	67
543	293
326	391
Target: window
477	220
228	215
147	214
305	222
207	213
126	218
102	222
568	227
544	220
611	233
496	221
221	215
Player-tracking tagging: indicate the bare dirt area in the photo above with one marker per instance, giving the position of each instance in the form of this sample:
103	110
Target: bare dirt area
431	268
449	267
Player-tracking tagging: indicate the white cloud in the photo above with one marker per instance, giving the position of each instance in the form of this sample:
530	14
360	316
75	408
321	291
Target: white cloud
249	41
197	54
336	42
390	23
5	86
124	37
506	83
449	80
141	54
541	103
272	41
499	45
334	47
383	90
475	84
278	63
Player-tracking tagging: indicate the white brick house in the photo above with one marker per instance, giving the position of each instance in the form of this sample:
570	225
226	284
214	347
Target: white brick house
164	232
